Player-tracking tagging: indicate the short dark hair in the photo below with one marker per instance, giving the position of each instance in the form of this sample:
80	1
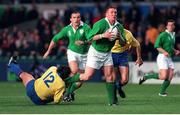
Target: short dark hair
170	20
64	71
75	12
109	7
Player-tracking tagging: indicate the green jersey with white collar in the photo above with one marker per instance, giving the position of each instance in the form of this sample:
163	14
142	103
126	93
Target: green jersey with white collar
103	45
68	32
166	40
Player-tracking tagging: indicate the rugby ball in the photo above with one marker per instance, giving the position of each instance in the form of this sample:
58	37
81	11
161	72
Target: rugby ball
115	32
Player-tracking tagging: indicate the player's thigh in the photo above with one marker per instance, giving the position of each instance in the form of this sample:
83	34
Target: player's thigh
124	71
171	68
26	78
114	73
120	59
170	63
108	73
73	61
95	59
171	74
82	59
162	61
89	71
73	66
163	74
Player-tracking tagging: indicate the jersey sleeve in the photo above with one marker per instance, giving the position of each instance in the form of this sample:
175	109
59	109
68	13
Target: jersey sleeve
122	30
158	41
58	95
61	35
87	30
95	30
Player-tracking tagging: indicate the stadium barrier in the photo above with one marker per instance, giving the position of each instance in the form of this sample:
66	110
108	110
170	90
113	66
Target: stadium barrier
26	65
135	71
151	67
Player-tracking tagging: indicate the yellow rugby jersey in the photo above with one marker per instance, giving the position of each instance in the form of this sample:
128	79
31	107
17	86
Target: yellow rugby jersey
130	41
50	86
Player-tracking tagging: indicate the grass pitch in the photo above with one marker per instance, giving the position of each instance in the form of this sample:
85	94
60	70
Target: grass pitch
91	98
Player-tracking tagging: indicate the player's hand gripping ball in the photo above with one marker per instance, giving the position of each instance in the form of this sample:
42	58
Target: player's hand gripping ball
115	33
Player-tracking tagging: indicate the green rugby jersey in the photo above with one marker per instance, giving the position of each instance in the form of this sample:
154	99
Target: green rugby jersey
80	34
166	41
103	45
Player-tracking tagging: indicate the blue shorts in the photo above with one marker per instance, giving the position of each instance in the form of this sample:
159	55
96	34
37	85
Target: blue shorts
31	93
120	59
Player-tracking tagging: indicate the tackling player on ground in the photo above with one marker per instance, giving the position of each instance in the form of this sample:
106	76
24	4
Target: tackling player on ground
48	88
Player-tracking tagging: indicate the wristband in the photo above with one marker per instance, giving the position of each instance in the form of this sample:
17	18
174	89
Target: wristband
100	36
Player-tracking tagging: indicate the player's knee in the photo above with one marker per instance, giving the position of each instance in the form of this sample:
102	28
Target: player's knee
163	77
109	79
124	81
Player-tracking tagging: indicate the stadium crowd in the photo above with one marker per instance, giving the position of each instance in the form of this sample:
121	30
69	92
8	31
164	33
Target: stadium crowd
145	28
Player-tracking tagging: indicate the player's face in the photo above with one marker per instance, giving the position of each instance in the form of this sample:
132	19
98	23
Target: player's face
111	14
75	19
170	26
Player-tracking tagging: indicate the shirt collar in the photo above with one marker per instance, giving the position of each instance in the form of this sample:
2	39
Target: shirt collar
171	33
116	22
81	23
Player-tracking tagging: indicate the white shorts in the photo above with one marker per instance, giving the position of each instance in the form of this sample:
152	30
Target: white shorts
97	59
79	58
164	62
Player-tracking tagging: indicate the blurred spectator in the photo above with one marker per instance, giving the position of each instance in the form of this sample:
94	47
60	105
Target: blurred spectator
153	16
14	39
32	13
151	34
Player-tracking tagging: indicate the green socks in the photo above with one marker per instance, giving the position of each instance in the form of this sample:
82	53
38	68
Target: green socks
164	86
72	79
68	89
110	90
73	87
151	76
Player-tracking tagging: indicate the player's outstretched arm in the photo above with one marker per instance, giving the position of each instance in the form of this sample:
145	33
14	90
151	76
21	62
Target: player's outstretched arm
176	52
51	46
139	60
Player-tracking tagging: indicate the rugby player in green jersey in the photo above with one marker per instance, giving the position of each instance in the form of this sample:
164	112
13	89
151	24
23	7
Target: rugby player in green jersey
165	46
103	38
76	32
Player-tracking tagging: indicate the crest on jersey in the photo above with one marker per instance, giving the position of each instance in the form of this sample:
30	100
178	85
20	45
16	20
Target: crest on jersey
81	31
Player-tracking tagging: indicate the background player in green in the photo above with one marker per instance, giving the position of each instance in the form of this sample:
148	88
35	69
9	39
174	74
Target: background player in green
99	54
165	46
76	32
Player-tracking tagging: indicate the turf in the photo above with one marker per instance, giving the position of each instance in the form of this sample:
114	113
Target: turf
91	98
